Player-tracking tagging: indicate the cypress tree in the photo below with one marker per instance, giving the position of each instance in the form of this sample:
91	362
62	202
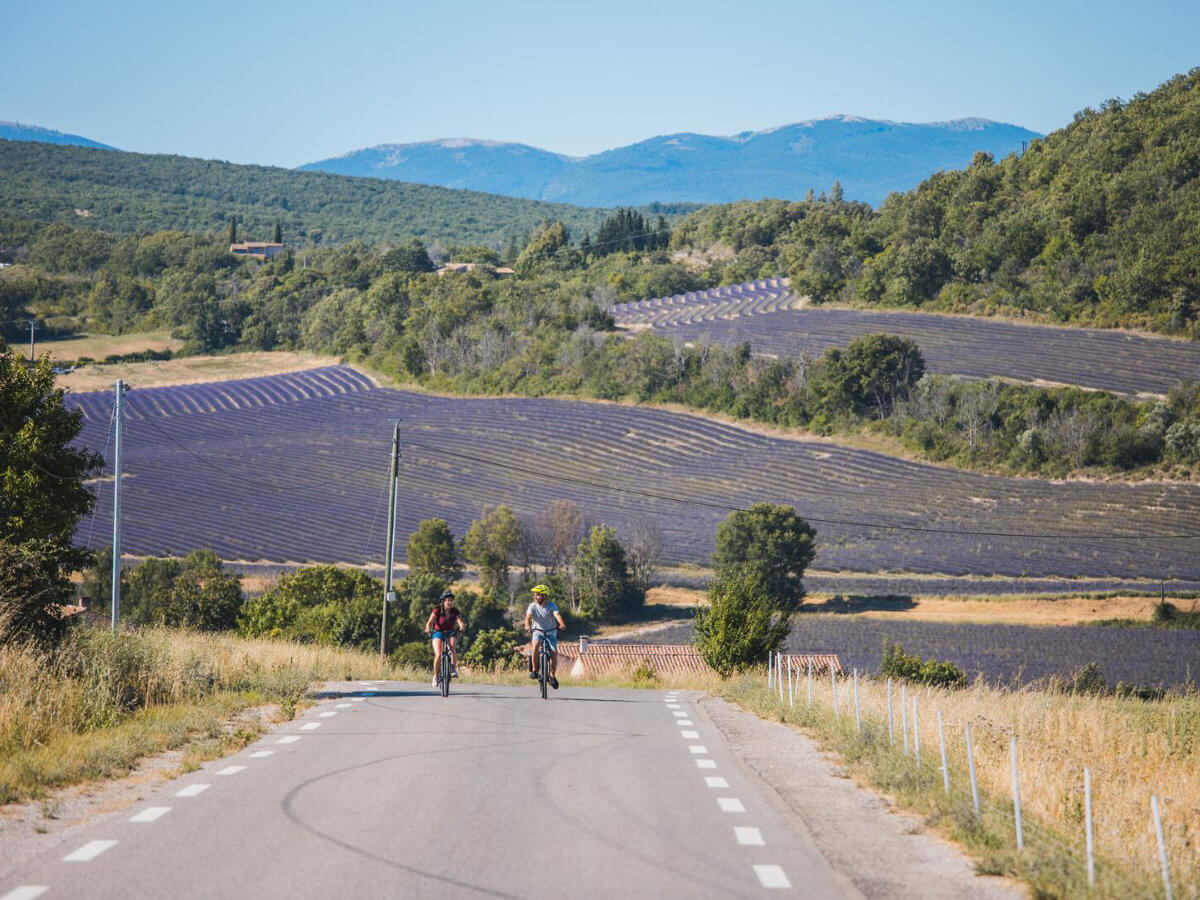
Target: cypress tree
233	229
277	237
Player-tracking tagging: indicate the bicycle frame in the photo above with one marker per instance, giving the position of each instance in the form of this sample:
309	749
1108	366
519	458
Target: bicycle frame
444	663
545	654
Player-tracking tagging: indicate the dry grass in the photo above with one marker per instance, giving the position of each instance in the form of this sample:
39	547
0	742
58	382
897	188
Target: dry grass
98	346
192	369
1135	749
105	701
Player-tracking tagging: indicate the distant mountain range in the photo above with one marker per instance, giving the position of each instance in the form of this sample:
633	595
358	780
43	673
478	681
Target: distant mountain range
870	158
15	131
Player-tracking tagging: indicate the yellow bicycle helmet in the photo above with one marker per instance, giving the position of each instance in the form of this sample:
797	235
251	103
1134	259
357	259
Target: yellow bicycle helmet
540	589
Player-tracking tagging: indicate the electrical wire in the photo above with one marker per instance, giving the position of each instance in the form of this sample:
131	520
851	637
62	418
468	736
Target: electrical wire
656	495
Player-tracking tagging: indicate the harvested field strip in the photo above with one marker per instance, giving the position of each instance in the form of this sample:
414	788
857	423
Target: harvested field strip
764	315
297	478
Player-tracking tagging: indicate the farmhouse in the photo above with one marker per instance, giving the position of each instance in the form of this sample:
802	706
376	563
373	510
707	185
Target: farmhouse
470	267
260	250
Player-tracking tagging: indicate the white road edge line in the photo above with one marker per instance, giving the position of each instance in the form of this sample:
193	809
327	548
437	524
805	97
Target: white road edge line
748	837
192	790
715	781
288	739
705	764
689	735
231	770
731	805
261	754
772	877
89	851
309	726
26	892
150	813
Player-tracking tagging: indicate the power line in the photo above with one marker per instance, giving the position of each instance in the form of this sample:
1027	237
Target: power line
823	521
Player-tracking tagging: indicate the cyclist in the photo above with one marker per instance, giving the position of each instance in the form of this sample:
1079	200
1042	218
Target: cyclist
444	623
542	616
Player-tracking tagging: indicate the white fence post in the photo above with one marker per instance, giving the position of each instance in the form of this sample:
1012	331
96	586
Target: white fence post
1162	846
779	677
891	717
857	711
1087	819
837	712
810	684
791	696
916	733
971	769
904	714
770	669
945	762
1016	794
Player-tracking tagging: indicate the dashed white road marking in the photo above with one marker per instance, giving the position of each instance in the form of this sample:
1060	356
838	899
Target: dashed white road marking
342	706
26	892
715	781
705	764
697	749
150	813
689	734
192	790
288	739
684	723
357	699
674	706
261	754
231	770
748	837
772	877
309	726
730	805
328	714
679	715
89	851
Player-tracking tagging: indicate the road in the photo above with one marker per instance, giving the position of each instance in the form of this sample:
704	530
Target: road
388	790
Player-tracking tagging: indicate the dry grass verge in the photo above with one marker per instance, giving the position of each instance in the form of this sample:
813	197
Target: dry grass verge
104	701
1134	748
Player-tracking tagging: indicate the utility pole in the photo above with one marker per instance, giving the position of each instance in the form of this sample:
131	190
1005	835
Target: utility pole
32	325
389	596
116	541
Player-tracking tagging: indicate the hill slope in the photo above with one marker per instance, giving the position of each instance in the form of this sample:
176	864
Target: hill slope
134	192
1098	223
871	159
15	131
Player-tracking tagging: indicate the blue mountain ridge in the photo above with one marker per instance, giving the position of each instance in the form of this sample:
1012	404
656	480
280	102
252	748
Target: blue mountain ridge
871	158
15	131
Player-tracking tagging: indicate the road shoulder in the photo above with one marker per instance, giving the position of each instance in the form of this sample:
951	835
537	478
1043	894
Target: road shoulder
884	853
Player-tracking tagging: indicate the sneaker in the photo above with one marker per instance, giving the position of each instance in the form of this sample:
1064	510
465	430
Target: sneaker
533	676
454	671
435	681
554	682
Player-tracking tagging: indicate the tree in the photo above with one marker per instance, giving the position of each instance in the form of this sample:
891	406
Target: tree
412	258
871	374
42	495
561	527
277	235
204	598
770	541
490	543
644	549
233	229
432	551
836	194
606	589
742	623
549	244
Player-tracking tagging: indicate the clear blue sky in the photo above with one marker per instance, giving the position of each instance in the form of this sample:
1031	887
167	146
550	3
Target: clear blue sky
287	83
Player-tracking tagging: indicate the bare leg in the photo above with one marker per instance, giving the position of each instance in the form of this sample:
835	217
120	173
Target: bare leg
554	663
437	655
454	651
533	655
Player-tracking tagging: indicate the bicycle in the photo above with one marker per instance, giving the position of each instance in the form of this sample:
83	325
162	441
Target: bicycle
444	664
544	656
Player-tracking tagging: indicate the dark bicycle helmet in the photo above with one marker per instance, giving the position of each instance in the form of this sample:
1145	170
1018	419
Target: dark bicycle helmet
446	595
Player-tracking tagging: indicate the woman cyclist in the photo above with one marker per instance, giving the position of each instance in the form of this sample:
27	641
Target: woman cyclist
444	623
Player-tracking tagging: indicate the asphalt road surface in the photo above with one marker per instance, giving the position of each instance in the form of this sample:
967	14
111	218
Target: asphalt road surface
389	790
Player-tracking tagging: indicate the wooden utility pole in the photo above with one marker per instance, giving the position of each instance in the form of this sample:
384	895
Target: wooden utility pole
389	596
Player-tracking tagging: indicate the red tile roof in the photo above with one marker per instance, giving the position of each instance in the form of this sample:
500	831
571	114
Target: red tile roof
820	662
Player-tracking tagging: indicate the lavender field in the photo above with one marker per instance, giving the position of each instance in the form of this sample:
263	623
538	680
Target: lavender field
1000	653
291	468
765	314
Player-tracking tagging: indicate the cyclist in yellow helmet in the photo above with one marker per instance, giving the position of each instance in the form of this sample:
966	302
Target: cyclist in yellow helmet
543	619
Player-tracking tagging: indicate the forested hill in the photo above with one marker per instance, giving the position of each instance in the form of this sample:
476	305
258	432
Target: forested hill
133	192
1098	223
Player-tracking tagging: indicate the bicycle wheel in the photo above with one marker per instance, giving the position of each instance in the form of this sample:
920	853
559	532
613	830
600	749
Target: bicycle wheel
543	671
445	673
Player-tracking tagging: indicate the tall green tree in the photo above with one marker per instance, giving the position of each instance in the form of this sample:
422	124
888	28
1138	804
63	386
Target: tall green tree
233	229
490	544
277	234
770	542
742	623
607	590
42	496
432	551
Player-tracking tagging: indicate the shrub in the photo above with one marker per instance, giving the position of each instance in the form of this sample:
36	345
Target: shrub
606	588
416	654
896	663
491	649
741	624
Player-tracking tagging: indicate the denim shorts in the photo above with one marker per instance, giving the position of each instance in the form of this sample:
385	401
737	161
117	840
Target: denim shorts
441	636
550	639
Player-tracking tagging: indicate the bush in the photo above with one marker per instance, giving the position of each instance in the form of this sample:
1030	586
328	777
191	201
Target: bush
909	666
496	648
771	541
741	624
415	654
606	588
